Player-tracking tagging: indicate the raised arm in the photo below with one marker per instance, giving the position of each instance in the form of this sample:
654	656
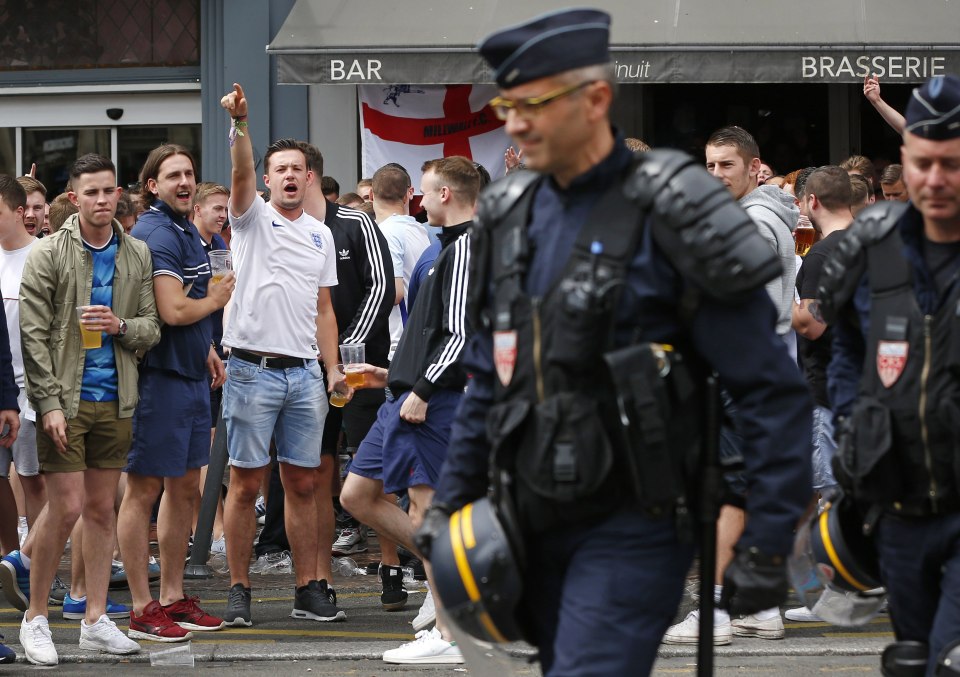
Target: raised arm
243	181
871	90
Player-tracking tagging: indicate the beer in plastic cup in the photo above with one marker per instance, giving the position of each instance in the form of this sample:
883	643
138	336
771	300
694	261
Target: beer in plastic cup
353	356
221	263
338	399
90	337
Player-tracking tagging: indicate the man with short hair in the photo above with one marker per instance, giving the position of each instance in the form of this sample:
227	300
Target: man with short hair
172	422
861	196
330	188
85	396
891	183
282	317
33	214
365	189
209	215
826	200
605	558
406	237
407	445
890	293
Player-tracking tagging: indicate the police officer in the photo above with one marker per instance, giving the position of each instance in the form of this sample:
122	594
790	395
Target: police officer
598	257
895	374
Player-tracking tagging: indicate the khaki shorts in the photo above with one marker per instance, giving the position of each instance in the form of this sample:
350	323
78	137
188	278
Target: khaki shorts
96	438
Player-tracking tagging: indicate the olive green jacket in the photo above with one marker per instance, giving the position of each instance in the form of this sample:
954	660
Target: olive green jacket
58	277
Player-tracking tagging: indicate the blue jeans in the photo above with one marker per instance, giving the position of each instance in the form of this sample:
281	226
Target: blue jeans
824	449
288	404
599	598
920	567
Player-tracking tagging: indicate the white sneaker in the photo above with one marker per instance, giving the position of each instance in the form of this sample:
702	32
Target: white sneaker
350	541
428	647
105	636
802	615
36	641
752	626
22	529
427	614
687	631
219	546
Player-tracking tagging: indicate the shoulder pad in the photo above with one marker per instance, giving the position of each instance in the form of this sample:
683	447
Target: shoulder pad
704	232
499	197
842	272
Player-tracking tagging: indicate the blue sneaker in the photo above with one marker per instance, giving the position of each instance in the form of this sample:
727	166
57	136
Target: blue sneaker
118	575
16	580
7	655
74	610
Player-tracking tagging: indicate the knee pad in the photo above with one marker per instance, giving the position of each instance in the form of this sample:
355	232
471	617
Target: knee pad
905	659
948	662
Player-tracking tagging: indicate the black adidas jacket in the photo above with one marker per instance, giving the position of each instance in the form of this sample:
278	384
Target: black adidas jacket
363	297
429	352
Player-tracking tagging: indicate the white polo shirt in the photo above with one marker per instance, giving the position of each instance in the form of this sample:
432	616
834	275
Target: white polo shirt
280	266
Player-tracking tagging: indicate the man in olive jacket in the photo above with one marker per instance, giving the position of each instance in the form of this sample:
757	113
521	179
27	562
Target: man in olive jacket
85	396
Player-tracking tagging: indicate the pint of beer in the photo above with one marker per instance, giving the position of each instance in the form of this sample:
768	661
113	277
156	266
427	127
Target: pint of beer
803	238
90	338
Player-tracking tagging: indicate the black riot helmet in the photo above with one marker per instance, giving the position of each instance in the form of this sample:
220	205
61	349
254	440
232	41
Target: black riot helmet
834	566
476	568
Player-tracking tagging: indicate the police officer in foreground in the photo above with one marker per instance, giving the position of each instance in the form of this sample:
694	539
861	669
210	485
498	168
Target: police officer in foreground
607	285
891	291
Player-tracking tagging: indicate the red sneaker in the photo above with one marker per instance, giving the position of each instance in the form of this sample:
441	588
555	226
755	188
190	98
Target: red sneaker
156	626
187	614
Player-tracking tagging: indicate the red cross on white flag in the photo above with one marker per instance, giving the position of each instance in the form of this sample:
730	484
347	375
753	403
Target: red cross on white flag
410	124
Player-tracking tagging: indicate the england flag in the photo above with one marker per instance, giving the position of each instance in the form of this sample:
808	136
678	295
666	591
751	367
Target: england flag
410	124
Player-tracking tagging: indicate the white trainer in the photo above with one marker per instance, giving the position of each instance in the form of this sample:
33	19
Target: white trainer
36	641
350	541
105	636
752	626
429	647
427	614
802	615
687	631
219	546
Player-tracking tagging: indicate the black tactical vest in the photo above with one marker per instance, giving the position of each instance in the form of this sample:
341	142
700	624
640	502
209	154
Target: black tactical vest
581	428
906	419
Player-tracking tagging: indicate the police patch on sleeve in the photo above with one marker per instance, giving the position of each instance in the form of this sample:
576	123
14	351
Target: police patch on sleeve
891	359
505	355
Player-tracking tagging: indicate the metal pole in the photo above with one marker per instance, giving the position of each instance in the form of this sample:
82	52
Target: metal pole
709	510
197	566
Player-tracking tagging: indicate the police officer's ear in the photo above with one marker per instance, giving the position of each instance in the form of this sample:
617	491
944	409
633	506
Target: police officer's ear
599	97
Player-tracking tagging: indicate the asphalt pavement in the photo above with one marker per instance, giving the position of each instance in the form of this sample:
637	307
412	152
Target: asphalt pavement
355	646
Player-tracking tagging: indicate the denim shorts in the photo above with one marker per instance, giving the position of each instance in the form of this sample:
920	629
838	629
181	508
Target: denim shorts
23	453
289	405
824	449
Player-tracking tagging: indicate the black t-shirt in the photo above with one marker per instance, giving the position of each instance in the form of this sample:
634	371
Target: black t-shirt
815	355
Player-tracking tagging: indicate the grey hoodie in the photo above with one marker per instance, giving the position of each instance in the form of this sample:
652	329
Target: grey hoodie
776	214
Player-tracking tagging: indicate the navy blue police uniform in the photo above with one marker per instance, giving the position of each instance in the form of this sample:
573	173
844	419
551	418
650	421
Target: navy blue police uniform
892	295
602	585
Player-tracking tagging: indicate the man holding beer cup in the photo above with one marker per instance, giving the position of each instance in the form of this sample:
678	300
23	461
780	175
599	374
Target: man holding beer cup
85	397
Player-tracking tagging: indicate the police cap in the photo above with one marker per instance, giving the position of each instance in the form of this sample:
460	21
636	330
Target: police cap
933	111
547	45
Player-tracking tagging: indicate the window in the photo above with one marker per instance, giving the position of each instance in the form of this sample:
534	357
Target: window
8	151
135	143
54	150
72	34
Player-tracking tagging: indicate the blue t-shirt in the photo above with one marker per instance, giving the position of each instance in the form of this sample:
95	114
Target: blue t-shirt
420	272
99	382
177	251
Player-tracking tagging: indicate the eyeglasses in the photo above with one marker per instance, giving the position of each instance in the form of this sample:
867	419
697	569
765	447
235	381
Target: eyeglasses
531	107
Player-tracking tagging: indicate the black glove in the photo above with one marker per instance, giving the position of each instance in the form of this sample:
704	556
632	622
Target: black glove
435	521
754	582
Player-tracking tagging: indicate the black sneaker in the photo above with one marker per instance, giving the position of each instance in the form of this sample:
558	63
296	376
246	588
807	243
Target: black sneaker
238	606
58	590
317	601
394	597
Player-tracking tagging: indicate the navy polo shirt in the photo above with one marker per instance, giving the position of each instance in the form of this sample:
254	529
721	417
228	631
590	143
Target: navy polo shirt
178	251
